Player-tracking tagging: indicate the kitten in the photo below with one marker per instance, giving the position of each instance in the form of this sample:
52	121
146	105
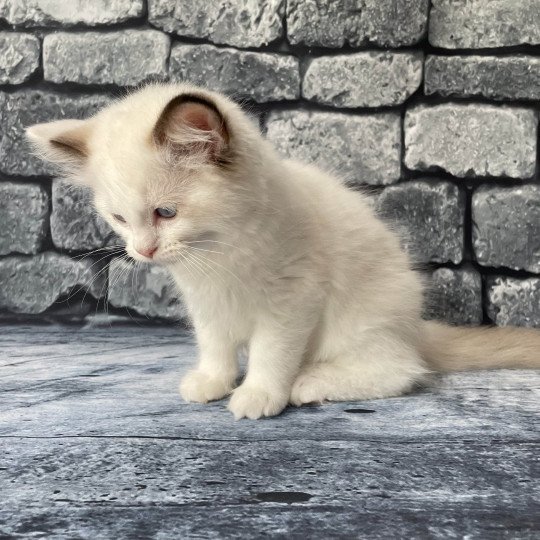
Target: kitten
267	252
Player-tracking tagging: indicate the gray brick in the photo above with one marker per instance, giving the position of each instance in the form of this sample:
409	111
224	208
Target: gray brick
363	149
19	57
388	23
24	108
430	217
260	76
69	12
125	58
33	284
147	289
455	296
472	139
514	302
24	209
476	24
249	23
367	79
506	227
508	77
75	225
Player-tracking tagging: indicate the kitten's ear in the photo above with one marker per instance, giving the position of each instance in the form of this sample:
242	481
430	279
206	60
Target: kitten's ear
64	142
192	125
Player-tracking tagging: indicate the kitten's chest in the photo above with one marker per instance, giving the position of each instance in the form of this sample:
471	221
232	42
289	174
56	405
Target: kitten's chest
218	300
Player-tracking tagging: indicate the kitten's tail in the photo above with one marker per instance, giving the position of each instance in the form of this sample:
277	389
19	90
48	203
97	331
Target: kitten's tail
451	348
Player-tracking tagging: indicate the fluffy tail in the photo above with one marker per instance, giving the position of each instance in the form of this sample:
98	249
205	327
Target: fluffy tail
450	348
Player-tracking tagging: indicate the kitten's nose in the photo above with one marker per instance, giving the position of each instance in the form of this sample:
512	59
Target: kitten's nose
147	252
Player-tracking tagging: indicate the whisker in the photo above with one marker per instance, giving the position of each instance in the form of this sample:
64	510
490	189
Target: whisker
211	261
185	263
218	242
194	263
201	265
87	285
206	250
125	266
94	251
103	294
109	286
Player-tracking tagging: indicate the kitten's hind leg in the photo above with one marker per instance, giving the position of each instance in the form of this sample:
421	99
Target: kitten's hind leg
375	372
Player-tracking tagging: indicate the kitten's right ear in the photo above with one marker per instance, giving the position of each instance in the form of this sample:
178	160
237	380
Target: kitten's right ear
64	142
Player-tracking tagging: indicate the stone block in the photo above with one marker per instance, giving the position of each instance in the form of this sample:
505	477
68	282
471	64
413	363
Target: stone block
24	212
514	302
362	149
429	216
384	23
124	58
69	12
506	227
259	76
246	23
455	296
147	289
26	107
506	77
472	139
75	224
367	79
33	284
19	57
480	24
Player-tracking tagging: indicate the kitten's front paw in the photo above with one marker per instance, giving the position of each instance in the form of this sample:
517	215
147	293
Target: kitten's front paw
254	402
202	388
307	389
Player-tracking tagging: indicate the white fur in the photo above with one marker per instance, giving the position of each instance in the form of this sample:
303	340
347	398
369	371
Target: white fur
285	260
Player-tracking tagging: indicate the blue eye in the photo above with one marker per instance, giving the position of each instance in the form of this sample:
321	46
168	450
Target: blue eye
165	212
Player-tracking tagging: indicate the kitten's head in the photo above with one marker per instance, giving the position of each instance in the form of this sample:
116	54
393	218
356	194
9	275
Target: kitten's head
168	165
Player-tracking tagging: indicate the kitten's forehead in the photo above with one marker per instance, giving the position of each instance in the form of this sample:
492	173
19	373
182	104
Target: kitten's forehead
143	108
120	149
123	158
122	142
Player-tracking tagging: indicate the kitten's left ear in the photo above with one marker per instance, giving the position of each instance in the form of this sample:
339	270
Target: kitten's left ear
192	125
64	142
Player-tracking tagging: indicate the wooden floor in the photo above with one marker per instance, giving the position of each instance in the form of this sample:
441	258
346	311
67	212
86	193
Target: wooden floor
96	443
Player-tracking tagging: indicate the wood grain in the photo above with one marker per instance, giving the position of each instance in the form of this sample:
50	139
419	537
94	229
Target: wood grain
95	442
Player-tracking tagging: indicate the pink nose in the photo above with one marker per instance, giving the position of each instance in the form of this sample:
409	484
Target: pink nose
147	252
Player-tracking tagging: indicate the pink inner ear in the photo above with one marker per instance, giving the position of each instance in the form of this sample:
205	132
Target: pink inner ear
180	121
198	116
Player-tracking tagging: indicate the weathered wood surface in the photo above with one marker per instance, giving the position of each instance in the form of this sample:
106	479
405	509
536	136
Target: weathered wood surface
96	443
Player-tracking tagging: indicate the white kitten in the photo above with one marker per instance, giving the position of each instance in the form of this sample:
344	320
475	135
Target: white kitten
266	252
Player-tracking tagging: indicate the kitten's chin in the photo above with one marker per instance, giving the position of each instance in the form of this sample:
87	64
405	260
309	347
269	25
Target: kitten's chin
153	260
165	260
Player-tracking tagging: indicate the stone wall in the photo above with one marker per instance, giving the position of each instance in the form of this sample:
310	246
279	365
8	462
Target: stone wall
432	107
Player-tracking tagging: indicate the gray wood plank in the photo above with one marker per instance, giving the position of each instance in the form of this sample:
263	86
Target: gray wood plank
149	471
113	487
95	442
123	381
385	520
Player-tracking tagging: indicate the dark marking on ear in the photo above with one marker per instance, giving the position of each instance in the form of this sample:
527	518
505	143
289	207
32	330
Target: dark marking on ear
173	116
63	142
72	146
